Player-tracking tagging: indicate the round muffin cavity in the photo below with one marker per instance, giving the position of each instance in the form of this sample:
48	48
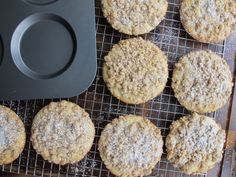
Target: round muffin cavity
208	21
62	132
130	146
12	136
135	71
202	81
195	143
134	17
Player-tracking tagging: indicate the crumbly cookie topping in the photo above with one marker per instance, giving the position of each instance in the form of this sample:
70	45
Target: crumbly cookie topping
134	16
209	20
135	70
202	81
195	143
62	132
9	130
132	146
12	135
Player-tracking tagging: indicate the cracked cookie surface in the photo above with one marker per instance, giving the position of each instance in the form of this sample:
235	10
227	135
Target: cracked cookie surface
130	146
135	71
195	143
134	17
62	132
12	135
208	21
202	81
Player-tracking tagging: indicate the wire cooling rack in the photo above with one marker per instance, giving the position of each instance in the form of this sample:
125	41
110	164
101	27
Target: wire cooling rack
102	107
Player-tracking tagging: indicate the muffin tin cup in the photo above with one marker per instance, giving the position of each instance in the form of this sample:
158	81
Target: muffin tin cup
49	48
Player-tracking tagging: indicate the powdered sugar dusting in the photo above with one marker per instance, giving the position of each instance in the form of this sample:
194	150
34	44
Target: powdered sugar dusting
131	146
210	6
134	16
83	166
62	132
209	21
9	131
135	70
194	143
202	81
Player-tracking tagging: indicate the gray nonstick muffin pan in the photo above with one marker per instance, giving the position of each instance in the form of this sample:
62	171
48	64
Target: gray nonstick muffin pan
47	48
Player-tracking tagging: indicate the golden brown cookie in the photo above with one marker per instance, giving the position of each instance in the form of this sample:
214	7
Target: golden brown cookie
62	132
208	21
12	135
195	143
130	146
134	17
202	81
135	71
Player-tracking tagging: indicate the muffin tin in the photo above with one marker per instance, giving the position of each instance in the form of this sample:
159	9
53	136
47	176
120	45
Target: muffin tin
47	48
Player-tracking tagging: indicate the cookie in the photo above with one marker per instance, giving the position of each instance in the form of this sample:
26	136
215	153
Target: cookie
195	143
130	146
208	21
12	136
202	81
62	132
135	71
134	17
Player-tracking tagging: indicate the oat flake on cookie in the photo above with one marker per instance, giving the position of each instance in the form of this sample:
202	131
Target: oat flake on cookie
135	71
130	146
134	17
12	135
62	132
195	143
208	21
202	81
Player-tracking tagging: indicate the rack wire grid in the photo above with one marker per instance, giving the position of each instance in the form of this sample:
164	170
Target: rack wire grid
103	107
